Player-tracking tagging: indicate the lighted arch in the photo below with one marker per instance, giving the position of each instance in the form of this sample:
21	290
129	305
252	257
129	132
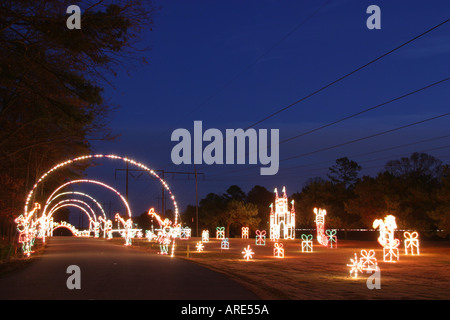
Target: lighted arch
97	156
87	181
69	205
64	226
71	201
80	194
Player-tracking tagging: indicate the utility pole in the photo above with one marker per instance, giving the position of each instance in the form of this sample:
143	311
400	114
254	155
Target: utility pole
162	175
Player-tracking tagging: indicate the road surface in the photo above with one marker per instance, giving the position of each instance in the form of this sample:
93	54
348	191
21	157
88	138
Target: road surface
109	271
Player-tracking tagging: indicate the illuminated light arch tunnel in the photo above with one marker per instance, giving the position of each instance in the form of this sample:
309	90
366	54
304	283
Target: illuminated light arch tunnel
28	214
93	157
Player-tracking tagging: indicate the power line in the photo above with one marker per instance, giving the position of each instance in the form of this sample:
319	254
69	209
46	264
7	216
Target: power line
347	75
361	112
350	142
365	110
378	151
367	137
320	169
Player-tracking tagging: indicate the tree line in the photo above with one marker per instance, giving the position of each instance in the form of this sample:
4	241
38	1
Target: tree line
415	189
52	83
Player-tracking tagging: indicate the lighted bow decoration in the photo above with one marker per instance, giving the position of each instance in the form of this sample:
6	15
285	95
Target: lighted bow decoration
307	245
411	242
278	250
220	232
331	238
260	238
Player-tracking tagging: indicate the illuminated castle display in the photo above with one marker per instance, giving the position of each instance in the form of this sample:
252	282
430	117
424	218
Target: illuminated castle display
282	220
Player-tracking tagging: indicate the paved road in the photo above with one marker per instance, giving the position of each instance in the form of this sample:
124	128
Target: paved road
110	271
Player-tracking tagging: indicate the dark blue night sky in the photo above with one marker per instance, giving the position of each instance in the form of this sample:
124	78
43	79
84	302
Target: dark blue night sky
230	64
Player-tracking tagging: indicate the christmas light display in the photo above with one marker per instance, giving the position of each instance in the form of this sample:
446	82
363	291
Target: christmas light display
278	250
411	241
367	262
164	243
387	238
27	230
248	253
150	235
220	232
245	231
94	226
64	205
200	246
260	238
282	220
307	244
331	238
100	156
89	182
26	217
66	225
127	232
166	232
107	227
185	233
320	226
355	266
205	236
91	216
224	244
80	194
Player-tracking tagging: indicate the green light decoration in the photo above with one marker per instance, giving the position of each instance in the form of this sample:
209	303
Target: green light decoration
331	238
307	244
